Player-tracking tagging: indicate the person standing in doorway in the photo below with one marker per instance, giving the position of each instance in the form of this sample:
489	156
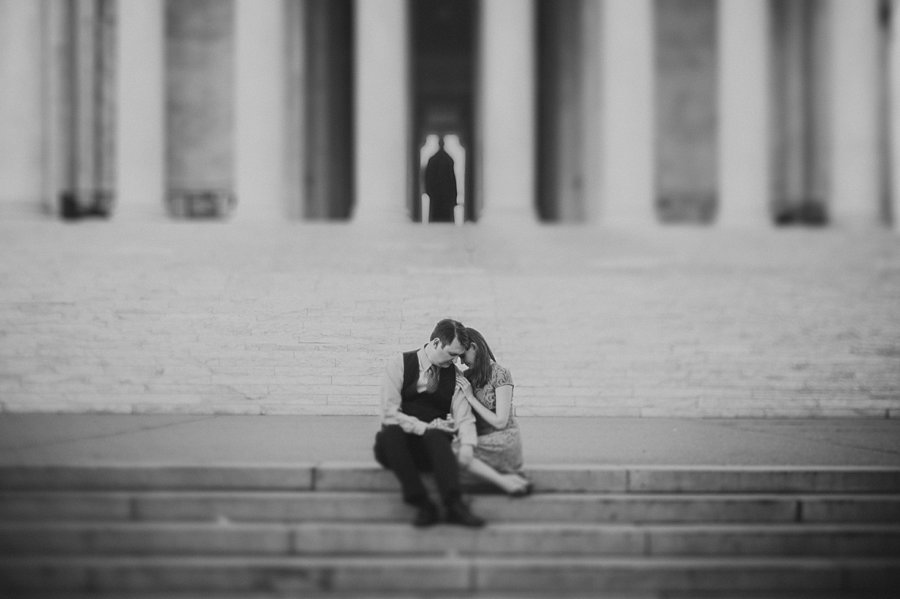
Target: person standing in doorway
421	410
440	185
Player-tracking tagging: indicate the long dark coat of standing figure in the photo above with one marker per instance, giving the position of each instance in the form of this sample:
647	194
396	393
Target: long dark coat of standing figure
440	185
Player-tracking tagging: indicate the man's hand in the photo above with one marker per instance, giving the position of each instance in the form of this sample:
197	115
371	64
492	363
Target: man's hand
466	454
442	424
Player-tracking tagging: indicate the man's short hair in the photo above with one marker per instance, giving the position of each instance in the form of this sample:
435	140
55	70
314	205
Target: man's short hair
448	329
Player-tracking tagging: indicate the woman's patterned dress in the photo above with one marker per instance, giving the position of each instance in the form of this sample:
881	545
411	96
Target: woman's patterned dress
500	448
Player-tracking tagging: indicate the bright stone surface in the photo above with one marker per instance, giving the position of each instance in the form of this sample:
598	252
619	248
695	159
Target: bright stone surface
207	318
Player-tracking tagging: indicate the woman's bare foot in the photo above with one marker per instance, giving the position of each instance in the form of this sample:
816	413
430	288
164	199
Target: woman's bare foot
516	485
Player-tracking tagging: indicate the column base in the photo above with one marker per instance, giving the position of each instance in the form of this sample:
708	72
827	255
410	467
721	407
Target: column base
809	211
77	204
693	208
205	204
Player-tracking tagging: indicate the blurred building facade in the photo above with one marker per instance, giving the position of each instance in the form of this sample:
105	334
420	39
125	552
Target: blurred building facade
728	112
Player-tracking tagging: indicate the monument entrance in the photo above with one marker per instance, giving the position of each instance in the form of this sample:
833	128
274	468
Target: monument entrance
443	58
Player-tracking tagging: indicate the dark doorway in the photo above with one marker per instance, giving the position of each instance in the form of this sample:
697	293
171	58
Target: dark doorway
800	36
443	93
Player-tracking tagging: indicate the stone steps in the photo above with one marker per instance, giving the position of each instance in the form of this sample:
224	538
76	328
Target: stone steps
349	476
323	529
335	538
449	573
281	506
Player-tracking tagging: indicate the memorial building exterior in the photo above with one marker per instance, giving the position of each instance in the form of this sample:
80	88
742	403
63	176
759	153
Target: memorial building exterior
622	112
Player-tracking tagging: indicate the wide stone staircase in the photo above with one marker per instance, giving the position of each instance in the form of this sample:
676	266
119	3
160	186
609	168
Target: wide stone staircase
341	529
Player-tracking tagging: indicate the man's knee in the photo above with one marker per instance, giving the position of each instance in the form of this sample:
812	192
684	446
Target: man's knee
435	437
437	443
391	433
378	450
388	440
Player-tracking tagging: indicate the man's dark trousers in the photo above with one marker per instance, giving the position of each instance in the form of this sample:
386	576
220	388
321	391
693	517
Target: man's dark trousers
407	455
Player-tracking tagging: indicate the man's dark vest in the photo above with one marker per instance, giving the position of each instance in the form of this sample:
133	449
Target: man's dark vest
426	406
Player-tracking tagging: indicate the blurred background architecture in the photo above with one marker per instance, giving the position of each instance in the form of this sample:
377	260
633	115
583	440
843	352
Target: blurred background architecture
745	112
259	164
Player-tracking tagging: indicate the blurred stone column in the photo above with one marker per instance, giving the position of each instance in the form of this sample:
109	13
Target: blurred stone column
628	170
744	113
381	63
894	113
259	144
140	100
591	115
79	158
793	83
296	130
199	71
855	191
21	119
328	108
507	111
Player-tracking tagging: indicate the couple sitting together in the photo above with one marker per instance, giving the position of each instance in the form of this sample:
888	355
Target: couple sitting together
438	418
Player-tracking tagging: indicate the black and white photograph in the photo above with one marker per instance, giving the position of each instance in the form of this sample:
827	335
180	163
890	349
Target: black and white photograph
450	299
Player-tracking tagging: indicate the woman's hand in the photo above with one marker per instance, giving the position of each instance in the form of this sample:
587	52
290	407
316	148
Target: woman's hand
473	401
463	384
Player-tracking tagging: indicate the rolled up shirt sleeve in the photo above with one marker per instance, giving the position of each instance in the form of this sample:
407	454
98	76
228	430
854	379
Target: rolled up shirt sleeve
465	419
391	383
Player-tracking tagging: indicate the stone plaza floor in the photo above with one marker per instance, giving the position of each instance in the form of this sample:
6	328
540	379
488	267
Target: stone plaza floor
242	318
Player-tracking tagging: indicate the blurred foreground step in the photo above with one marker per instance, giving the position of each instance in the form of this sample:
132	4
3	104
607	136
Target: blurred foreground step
528	594
369	477
319	506
341	528
191	538
298	575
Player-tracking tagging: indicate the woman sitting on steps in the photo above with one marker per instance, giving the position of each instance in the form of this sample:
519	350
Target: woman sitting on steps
488	387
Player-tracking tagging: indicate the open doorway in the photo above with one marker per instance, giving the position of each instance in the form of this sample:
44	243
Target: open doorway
454	197
443	95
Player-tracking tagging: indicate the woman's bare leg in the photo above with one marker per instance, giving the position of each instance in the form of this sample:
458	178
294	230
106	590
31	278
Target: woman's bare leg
509	483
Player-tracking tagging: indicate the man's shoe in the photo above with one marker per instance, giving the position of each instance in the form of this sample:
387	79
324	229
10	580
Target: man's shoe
427	515
458	513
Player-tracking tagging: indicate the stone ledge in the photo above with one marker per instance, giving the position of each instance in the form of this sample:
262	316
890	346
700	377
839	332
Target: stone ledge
556	539
366	476
317	506
148	477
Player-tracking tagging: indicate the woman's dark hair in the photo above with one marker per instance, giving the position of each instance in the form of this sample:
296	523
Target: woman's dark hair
480	372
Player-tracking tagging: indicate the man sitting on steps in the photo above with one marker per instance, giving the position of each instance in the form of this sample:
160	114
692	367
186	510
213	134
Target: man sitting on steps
418	391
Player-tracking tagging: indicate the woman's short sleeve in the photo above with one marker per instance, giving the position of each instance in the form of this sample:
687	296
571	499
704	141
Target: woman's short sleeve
501	376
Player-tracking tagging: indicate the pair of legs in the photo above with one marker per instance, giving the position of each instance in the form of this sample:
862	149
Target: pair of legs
409	455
